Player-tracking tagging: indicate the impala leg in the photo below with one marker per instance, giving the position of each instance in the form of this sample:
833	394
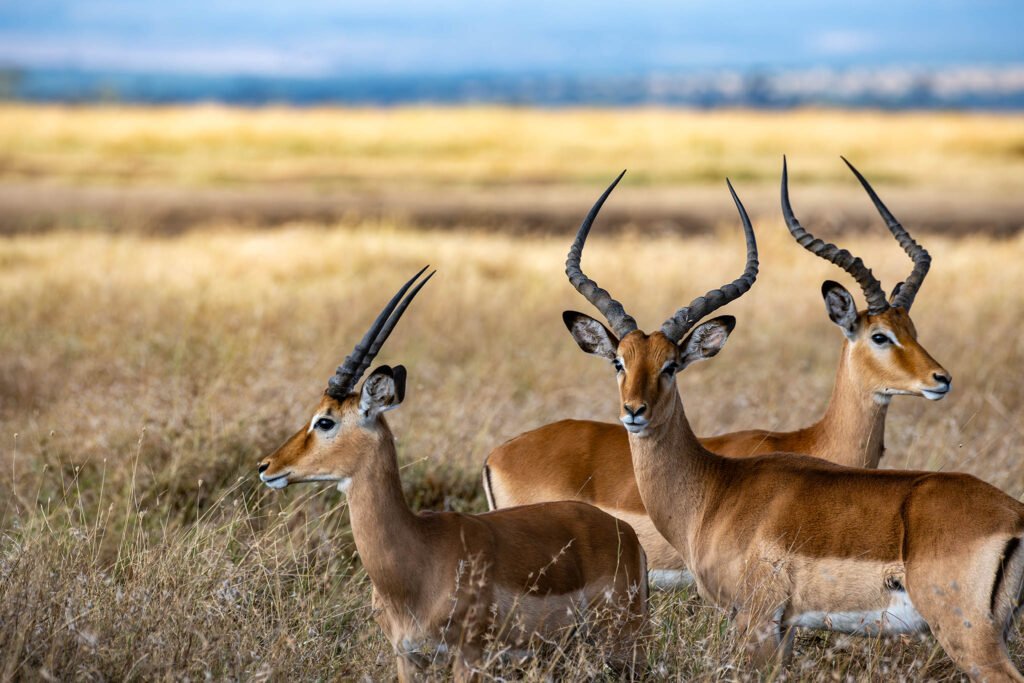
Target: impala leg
462	671
767	641
971	639
761	618
628	643
408	672
981	653
467	661
968	616
631	656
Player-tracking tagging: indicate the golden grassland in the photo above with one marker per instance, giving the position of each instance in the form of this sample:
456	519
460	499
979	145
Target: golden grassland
331	148
141	377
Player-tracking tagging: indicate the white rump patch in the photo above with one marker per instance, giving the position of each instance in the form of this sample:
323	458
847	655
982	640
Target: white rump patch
669	579
899	616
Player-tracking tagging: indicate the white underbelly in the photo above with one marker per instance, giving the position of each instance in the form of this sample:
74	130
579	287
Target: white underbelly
669	579
899	616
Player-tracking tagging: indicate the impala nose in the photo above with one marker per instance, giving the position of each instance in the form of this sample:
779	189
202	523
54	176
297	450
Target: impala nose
634	420
263	467
634	412
943	384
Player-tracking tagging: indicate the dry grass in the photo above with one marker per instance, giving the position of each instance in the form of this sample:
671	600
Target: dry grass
340	148
142	377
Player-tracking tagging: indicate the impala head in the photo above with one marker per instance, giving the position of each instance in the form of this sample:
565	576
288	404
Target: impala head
646	364
345	426
881	341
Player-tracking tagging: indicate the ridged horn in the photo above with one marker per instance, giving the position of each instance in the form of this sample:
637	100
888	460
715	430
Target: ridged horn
355	364
904	295
685	318
621	322
853	265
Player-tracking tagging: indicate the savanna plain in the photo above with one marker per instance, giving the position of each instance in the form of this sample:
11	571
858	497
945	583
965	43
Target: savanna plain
143	374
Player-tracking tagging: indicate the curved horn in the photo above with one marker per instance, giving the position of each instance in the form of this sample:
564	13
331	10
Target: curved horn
621	322
841	257
685	318
355	364
904	296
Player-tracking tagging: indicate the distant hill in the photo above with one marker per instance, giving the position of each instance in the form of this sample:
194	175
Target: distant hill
990	88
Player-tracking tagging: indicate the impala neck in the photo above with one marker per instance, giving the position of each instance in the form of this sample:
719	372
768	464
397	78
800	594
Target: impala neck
385	530
675	475
852	430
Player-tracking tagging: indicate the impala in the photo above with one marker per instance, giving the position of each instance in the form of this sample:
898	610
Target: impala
448	582
880	357
786	541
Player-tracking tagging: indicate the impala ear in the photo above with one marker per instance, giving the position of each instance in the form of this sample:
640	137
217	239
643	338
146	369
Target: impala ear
400	375
895	292
592	336
840	306
382	391
706	340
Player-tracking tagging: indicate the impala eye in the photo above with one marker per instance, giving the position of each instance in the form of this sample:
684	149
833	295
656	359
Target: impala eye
880	339
617	364
325	424
670	369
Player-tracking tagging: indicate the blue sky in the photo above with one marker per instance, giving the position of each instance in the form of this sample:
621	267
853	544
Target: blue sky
407	37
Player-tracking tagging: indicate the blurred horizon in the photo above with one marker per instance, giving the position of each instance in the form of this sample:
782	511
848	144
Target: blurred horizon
952	54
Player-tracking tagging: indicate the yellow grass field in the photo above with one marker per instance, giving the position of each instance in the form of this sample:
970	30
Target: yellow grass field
143	376
335	148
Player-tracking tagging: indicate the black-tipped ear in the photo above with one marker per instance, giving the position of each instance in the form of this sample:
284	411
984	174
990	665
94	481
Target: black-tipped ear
591	335
383	370
728	321
706	340
895	292
399	375
840	307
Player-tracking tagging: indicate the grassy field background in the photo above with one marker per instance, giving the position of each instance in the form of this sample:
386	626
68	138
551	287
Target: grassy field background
331	148
143	375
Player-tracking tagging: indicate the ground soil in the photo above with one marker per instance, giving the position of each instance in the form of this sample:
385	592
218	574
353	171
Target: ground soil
32	207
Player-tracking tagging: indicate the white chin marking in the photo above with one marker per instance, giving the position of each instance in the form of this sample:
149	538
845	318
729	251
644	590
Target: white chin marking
277	483
934	395
344	484
669	579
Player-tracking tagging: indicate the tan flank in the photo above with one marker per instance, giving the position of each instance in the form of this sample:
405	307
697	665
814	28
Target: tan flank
446	583
786	541
590	461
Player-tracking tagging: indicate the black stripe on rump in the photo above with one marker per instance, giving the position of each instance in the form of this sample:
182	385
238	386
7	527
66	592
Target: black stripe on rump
1008	551
488	493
